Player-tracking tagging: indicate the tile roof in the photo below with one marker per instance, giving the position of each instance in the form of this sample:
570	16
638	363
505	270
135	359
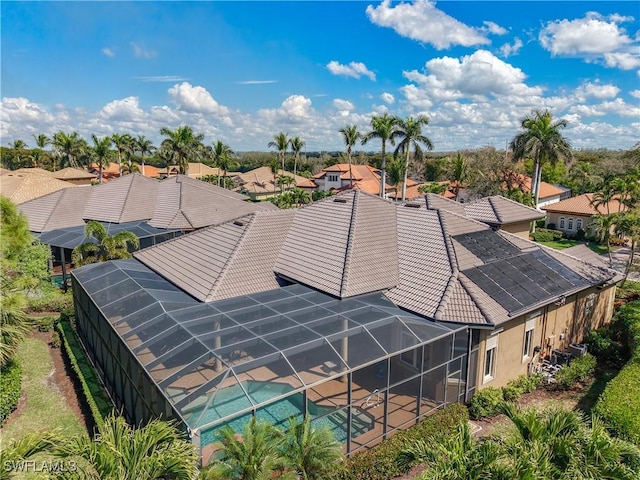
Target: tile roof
56	210
546	189
150	171
260	180
37	170
71	173
342	245
498	210
22	187
365	177
438	202
195	170
188	203
125	199
582	205
235	258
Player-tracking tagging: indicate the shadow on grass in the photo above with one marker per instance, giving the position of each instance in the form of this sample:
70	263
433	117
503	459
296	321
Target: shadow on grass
602	376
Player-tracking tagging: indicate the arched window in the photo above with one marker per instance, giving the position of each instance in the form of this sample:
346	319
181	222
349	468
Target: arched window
570	224
561	223
579	224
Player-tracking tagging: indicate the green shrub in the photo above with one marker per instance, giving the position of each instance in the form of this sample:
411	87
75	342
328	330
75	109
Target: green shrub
542	236
577	371
55	340
10	389
486	402
51	299
45	324
602	345
379	462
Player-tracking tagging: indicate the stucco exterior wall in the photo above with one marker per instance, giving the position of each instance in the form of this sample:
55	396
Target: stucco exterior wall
520	229
554	217
555	328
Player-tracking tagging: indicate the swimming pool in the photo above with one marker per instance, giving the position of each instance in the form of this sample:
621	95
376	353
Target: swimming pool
232	399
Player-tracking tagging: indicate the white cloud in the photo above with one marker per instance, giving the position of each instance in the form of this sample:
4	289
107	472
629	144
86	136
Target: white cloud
597	90
343	104
160	78
256	82
195	99
127	109
422	21
511	49
108	52
141	51
494	28
353	69
594	37
635	93
388	98
21	118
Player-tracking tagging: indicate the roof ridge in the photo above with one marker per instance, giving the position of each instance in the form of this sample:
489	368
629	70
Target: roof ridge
124	203
493	207
230	259
347	254
448	291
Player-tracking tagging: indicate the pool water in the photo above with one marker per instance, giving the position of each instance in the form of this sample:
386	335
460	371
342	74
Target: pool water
232	399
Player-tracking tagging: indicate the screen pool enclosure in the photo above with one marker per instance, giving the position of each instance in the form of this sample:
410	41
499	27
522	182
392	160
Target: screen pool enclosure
360	366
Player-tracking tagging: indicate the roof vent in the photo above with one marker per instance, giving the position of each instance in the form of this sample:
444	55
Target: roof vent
412	205
340	200
239	223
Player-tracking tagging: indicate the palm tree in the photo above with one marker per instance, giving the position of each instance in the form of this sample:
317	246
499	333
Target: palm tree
385	128
280	142
542	142
183	143
296	147
120	141
311	451
628	225
255	456
602	226
144	146
14	325
42	141
459	173
69	147
101	154
223	159
274	165
351	136
410	132
105	247
119	452
586	175
396	173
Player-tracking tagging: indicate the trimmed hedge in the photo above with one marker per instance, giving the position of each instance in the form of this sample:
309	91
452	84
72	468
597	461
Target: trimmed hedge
486	402
379	462
95	396
547	235
10	388
619	404
577	371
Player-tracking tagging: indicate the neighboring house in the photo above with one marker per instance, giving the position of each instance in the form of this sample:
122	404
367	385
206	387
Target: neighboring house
353	307
77	176
364	178
577	213
259	183
22	187
414	193
195	170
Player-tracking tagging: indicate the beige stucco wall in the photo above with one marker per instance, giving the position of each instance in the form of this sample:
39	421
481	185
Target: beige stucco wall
553	217
520	229
556	328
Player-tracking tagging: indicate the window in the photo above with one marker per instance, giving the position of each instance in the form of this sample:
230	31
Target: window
561	222
570	224
590	302
410	357
332	177
527	344
490	358
579	224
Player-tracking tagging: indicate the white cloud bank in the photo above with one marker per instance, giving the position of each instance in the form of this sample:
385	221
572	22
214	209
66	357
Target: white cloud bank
353	69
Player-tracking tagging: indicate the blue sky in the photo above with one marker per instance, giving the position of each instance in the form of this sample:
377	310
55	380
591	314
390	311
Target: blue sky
242	72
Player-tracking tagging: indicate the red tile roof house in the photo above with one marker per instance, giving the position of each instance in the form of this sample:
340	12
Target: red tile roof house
577	213
364	178
353	307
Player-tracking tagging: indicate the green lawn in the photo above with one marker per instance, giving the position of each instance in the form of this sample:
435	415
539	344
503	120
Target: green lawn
46	408
566	243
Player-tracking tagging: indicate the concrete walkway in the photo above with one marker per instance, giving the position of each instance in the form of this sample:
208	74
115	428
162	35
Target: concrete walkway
620	258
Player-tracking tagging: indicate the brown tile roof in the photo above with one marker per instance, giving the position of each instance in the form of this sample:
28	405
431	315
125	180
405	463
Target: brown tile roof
37	170
21	187
228	260
546	189
582	205
188	203
71	173
57	210
260	180
438	202
365	177
195	170
150	171
125	199
342	245
498	210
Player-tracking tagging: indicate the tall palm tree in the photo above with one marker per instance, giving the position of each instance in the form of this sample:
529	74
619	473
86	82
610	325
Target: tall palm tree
119	452
253	457
281	143
144	146
183	143
384	127
296	147
274	165
69	148
42	141
628	225
121	142
410	134
602	226
541	141
586	174
459	173
223	159
351	136
101	153
18	145
311	451
105	247
396	173
285	181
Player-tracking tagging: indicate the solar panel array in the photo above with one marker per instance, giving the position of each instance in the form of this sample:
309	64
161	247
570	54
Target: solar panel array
487	246
524	280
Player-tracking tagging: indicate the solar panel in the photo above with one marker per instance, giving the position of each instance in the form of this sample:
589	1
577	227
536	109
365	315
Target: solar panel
487	246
